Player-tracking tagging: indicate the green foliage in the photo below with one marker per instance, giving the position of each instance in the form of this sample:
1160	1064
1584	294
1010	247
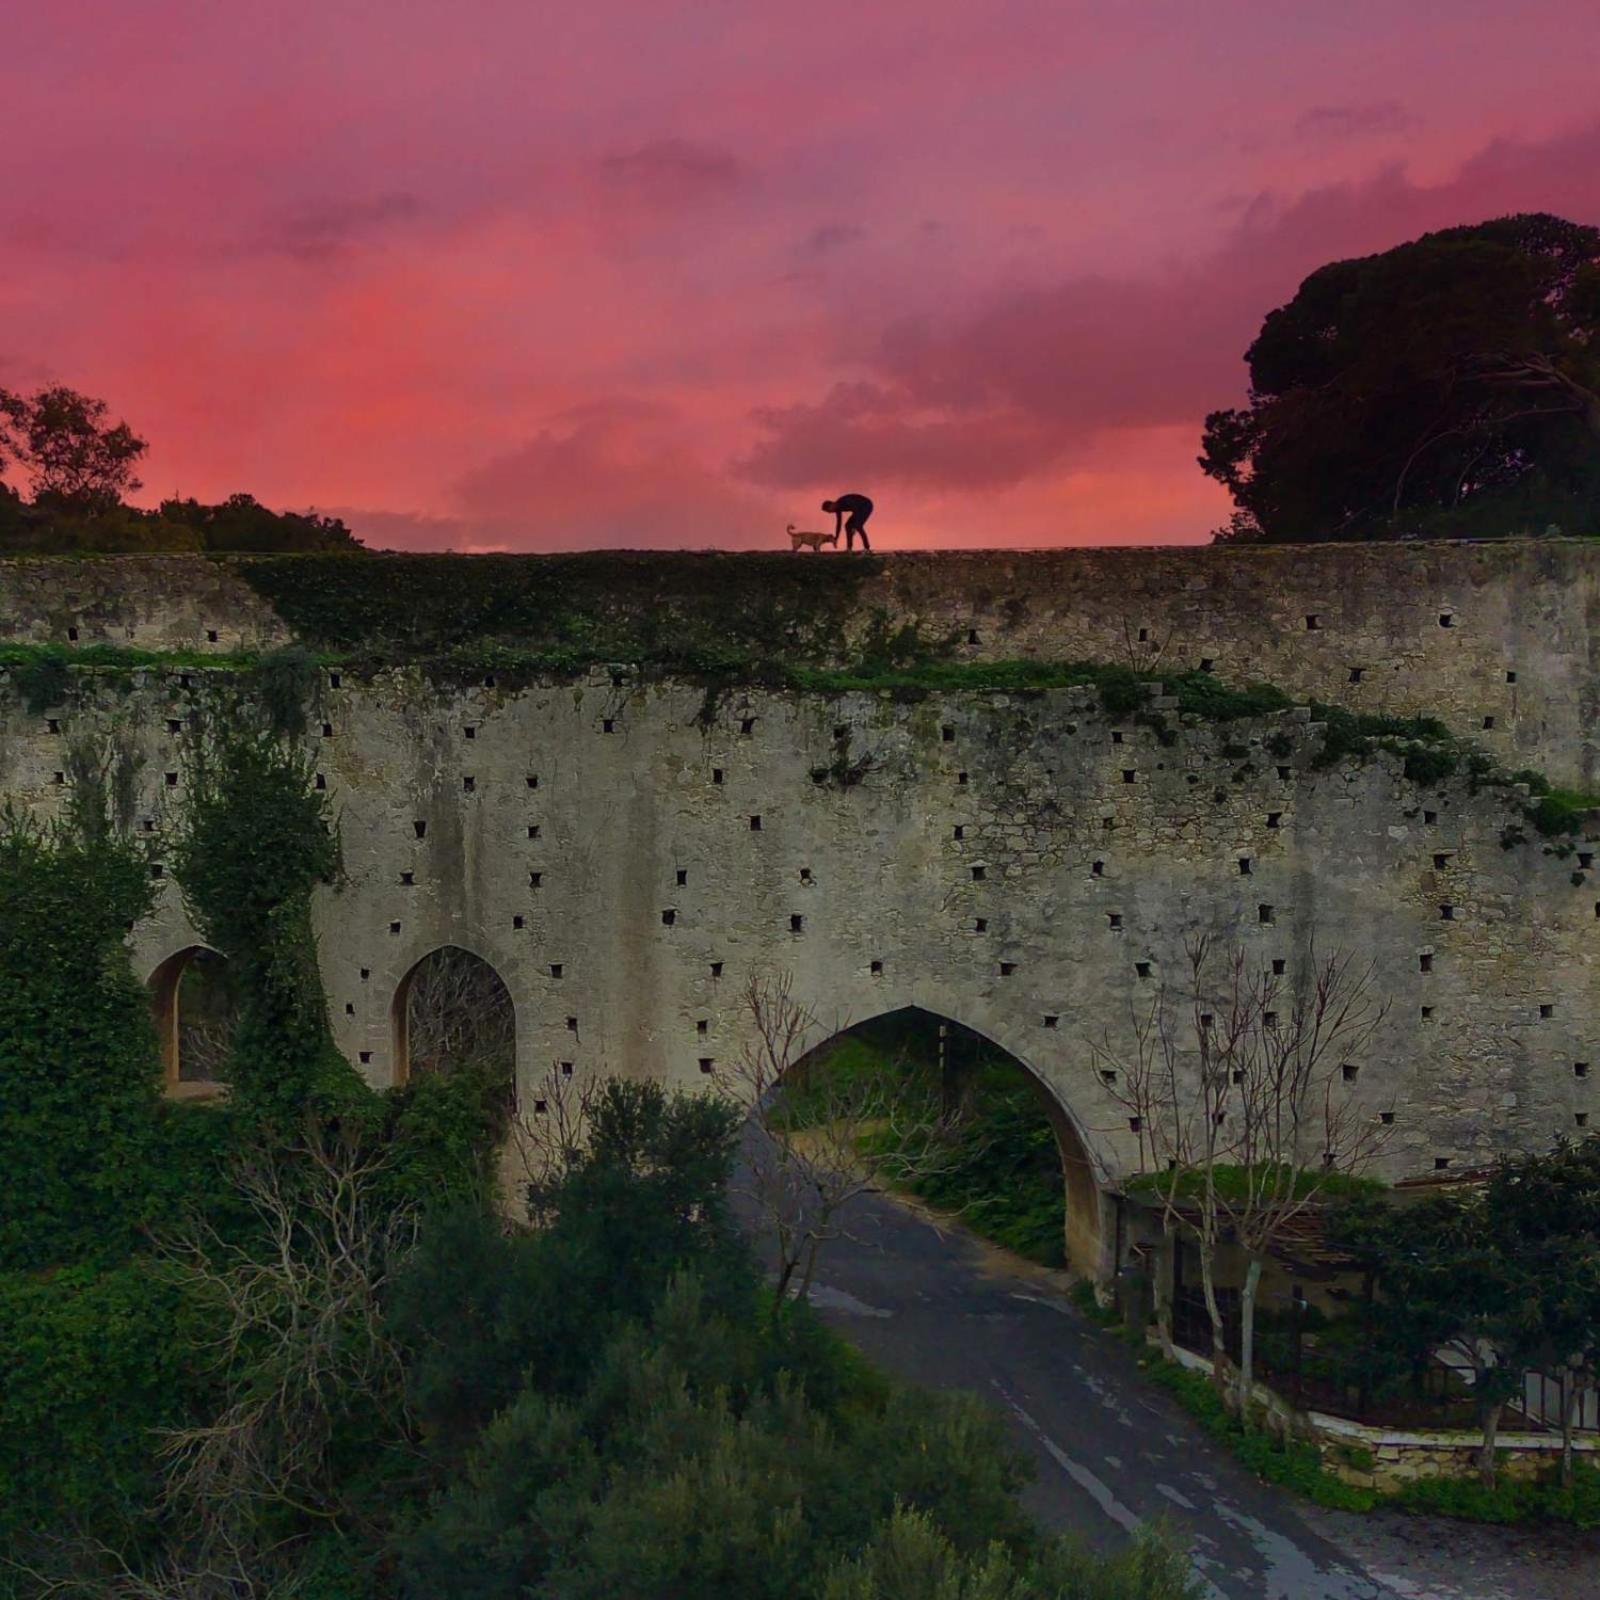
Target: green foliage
42	679
1234	1183
1446	388
1507	1270
696	613
1001	1168
1288	1462
77	1051
287	680
1562	811
91	1361
78	461
255	842
997	1163
242	523
687	1462
102	525
1509	1500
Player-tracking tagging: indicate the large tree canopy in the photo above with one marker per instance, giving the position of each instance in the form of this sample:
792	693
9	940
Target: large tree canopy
1448	387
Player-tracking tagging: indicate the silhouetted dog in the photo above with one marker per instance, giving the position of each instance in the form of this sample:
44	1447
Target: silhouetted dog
812	541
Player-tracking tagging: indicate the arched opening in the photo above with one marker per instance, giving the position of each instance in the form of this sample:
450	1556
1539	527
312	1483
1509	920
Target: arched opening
1010	1161
193	1001
453	1013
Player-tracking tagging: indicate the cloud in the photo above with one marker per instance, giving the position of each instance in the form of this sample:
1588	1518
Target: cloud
1029	377
619	471
831	236
675	172
315	232
862	433
1335	124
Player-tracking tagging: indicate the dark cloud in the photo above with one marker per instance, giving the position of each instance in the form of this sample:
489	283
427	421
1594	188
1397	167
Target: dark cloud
832	236
675	171
315	232
1332	124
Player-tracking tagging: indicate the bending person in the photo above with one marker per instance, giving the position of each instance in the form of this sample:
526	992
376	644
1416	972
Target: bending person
857	508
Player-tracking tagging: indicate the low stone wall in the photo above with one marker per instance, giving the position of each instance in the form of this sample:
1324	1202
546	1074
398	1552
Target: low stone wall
1388	1459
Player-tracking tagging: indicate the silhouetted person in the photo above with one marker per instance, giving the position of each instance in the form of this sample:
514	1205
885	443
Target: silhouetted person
857	508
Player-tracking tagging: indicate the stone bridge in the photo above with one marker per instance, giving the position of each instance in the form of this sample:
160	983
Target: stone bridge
627	852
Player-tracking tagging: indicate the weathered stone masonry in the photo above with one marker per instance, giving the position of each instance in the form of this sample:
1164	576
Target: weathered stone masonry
1473	633
1020	863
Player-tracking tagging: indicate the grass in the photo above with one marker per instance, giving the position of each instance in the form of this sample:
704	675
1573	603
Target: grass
1233	1183
1291	1463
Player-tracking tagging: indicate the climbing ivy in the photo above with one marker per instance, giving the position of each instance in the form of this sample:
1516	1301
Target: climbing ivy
255	841
287	682
78	1063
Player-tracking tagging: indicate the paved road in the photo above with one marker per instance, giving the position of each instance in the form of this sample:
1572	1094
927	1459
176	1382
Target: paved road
935	1306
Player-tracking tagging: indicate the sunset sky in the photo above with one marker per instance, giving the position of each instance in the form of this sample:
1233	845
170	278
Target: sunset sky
504	273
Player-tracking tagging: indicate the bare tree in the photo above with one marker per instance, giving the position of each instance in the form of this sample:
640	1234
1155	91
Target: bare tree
1248	1127
301	1343
1174	1091
549	1137
802	1179
459	1013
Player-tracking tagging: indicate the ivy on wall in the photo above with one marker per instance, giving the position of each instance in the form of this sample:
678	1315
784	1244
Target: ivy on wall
78	1063
692	611
255	841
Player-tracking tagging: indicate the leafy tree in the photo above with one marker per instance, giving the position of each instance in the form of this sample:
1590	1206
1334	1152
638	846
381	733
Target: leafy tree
1506	1272
242	523
1547	1206
63	441
1447	386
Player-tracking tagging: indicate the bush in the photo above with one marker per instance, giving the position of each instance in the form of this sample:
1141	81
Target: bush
91	1361
1510	1500
77	1050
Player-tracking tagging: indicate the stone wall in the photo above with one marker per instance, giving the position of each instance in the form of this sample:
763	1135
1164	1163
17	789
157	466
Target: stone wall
1387	1459
1022	864
159	603
1496	639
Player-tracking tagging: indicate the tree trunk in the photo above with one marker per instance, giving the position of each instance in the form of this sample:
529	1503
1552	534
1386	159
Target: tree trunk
1247	1337
1571	1399
1219	1343
1161	1289
1491	1426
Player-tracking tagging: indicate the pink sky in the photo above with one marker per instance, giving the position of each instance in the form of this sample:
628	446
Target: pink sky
501	273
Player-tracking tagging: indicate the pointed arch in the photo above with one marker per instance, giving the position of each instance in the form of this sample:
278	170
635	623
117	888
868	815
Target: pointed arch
1083	1175
452	1007
191	1006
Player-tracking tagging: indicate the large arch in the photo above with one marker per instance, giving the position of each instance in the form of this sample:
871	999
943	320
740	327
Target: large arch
452	1005
1086	1242
189	1005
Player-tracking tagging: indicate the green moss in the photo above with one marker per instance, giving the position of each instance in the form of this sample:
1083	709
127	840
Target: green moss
692	611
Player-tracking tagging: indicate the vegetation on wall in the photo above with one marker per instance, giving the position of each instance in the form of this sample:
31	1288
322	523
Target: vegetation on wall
255	841
77	1051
